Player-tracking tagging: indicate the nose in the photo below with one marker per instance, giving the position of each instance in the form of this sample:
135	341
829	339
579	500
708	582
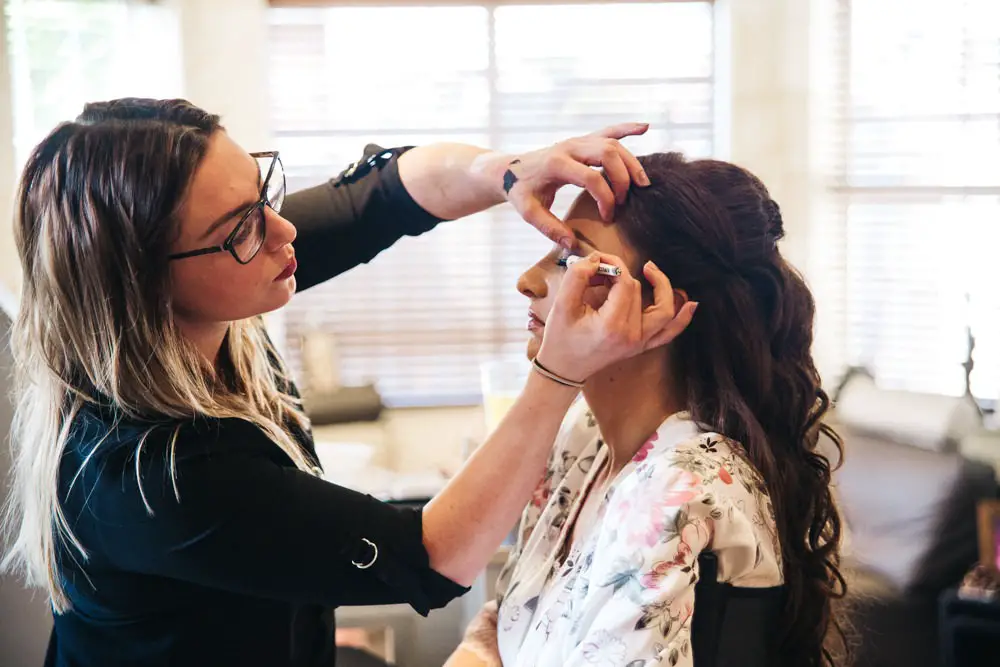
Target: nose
280	232
532	283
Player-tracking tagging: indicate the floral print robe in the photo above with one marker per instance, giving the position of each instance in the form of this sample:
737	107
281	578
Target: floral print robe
624	594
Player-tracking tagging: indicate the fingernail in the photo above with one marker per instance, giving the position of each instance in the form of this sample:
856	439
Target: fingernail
651	265
642	179
694	307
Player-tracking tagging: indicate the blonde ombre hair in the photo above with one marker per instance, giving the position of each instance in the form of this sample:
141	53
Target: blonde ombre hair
96	212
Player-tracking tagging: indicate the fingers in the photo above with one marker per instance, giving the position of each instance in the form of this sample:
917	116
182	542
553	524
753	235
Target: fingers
618	174
635	171
544	221
621	167
610	155
660	323
674	327
623	305
622	130
576	281
663	290
637	174
593	182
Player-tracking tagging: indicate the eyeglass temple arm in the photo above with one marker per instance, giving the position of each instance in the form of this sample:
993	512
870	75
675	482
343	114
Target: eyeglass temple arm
196	253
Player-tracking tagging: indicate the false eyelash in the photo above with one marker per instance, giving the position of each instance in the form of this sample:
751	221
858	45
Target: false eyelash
562	261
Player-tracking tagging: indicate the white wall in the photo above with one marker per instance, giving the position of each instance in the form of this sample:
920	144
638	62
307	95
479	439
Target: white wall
781	73
224	47
770	107
9	273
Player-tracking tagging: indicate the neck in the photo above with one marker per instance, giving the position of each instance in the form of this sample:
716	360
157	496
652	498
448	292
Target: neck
630	400
207	337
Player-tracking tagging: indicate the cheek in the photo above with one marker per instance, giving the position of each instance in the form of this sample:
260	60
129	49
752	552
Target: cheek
223	291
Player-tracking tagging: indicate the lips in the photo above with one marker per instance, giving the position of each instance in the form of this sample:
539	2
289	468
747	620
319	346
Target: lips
288	272
535	323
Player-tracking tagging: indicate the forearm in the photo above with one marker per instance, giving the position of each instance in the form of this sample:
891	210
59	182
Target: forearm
465	524
450	181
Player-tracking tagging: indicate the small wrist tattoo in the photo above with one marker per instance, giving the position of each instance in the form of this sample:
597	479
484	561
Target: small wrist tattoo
509	177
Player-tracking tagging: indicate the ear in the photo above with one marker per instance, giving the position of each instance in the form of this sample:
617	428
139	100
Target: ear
680	298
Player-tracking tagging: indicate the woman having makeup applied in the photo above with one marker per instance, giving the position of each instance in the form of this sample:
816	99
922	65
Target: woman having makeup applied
706	445
167	495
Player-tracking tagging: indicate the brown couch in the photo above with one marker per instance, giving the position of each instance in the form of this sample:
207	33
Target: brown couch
912	534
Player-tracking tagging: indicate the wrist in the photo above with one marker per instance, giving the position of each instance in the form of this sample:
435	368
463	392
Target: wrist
540	368
545	393
487	172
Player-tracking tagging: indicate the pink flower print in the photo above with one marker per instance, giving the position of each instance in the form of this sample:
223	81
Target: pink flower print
647	447
683	490
696	531
643	526
540	497
655	576
725	476
687	613
649	531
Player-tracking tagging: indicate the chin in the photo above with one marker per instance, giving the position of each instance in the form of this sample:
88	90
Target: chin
534	345
279	295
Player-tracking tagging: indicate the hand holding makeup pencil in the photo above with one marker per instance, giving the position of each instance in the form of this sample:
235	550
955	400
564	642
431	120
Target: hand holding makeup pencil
580	340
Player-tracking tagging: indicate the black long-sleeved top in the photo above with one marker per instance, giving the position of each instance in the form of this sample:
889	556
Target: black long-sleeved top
245	569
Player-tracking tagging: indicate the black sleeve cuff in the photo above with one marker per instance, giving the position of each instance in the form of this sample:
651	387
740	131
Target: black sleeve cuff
402	563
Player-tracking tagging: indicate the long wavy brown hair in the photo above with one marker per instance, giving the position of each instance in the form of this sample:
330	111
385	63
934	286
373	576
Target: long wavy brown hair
746	365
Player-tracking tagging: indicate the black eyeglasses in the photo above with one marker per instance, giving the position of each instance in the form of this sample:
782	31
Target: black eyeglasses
247	238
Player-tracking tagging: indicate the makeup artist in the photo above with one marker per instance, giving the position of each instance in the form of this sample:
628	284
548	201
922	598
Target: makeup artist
167	495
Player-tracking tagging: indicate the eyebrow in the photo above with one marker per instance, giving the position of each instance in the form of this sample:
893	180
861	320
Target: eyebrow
227	216
236	210
580	236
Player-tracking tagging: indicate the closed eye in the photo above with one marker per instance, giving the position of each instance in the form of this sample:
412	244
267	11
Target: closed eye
563	260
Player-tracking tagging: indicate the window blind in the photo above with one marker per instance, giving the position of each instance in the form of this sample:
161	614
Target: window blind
420	319
916	191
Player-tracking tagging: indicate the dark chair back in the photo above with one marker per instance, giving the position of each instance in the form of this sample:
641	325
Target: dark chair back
733	626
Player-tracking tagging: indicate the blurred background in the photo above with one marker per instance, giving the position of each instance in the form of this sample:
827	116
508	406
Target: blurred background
874	123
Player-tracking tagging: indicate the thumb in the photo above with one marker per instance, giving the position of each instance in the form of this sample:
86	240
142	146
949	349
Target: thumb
548	224
576	281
